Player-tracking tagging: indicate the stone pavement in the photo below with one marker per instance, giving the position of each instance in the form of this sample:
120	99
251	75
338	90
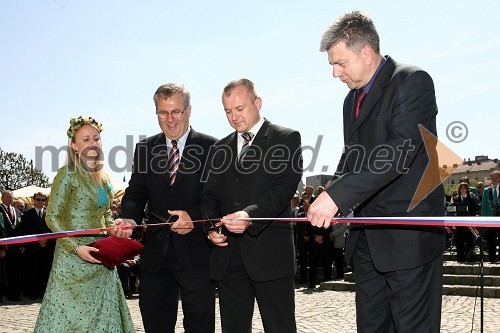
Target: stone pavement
316	311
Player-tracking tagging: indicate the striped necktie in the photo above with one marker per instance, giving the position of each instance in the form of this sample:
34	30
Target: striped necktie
173	162
247	137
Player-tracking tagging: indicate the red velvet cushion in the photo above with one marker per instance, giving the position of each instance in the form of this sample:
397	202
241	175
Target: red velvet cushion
115	250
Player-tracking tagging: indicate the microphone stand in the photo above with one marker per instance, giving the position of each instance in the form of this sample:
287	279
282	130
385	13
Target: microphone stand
481	243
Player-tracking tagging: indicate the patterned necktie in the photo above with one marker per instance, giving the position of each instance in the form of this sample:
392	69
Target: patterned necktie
173	162
359	100
247	137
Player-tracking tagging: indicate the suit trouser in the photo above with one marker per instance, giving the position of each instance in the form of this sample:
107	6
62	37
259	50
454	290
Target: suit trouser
464	240
159	297
398	301
14	276
323	252
237	295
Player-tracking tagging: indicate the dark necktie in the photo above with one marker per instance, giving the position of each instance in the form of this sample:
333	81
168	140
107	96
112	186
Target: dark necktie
247	137
173	162
495	194
40	214
359	100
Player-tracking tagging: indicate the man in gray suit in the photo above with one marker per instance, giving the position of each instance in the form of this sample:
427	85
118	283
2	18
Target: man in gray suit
398	268
253	173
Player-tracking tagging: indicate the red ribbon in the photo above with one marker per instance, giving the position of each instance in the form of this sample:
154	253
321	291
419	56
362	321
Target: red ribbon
467	221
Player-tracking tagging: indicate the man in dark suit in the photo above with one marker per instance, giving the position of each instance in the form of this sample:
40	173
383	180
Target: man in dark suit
166	177
252	173
13	257
398	269
38	255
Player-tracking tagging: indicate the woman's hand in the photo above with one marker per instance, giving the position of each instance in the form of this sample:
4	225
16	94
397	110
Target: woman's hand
85	251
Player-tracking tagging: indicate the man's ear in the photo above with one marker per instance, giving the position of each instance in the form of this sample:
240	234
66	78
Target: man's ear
367	53
258	103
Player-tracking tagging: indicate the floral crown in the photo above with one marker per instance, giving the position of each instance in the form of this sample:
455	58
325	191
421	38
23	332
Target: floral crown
76	123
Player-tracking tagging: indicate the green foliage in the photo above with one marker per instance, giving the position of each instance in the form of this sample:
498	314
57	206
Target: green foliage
17	172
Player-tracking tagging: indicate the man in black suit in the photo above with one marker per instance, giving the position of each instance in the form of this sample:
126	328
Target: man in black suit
398	269
38	255
252	173
11	221
166	177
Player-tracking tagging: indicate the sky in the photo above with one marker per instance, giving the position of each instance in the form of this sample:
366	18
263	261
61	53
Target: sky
61	59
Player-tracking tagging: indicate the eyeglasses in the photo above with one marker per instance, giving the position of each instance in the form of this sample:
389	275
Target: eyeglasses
40	199
175	113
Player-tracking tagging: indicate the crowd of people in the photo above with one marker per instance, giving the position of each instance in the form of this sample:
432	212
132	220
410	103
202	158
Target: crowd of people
243	188
479	200
25	269
314	245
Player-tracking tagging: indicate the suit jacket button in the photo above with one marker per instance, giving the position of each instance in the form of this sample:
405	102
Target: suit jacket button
237	180
236	203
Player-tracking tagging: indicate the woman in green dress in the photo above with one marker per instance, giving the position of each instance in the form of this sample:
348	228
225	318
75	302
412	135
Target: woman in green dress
82	295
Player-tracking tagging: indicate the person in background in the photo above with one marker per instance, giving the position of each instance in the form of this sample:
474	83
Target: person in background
301	244
491	207
464	239
319	246
13	254
338	237
480	191
19	204
129	273
38	255
319	190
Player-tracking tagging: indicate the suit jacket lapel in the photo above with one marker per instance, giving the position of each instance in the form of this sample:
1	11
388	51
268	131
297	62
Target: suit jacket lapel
159	159
348	115
7	214
263	134
260	140
383	78
190	151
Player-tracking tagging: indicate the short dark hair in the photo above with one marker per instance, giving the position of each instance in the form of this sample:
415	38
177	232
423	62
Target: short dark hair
39	194
167	90
355	29
250	87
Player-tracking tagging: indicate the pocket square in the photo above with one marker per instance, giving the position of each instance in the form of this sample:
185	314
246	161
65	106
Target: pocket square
115	250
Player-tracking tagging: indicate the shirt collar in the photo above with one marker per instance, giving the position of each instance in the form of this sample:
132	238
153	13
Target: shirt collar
370	83
255	129
181	142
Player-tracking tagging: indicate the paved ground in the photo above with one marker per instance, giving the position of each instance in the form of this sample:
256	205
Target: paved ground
317	311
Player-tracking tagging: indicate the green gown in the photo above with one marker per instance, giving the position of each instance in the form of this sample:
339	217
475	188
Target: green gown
80	296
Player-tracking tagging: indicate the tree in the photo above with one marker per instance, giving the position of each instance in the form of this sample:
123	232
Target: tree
17	172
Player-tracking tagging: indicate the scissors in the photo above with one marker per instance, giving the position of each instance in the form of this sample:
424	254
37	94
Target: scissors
167	222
